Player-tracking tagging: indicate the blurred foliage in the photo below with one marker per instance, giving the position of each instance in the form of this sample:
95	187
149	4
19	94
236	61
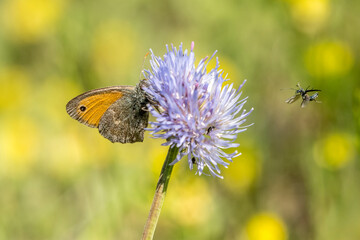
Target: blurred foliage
298	175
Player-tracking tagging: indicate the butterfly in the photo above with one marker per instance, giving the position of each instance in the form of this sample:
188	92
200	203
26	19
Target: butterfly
300	92
119	112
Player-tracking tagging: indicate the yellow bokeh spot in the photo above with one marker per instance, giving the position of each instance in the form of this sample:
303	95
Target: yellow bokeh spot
157	157
265	226
329	59
14	89
113	49
59	91
69	144
19	145
310	15
194	200
30	20
242	173
60	160
230	70
334	151
65	154
101	155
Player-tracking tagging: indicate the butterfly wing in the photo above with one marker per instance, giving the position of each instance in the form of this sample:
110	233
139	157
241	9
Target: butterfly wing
125	119
89	107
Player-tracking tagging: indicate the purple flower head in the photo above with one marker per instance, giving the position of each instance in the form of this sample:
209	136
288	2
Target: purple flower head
194	111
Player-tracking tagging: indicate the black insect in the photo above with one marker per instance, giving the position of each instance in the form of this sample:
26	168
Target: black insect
209	130
300	92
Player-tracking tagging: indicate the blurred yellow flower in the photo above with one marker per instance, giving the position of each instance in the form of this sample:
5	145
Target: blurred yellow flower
14	89
157	156
334	151
243	173
113	49
54	93
309	15
75	148
195	201
19	135
71	151
329	59
265	226
130	154
70	145
229	68
65	154
30	20
19	145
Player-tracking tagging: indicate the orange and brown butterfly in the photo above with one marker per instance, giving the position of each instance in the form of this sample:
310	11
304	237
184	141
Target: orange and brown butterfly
119	112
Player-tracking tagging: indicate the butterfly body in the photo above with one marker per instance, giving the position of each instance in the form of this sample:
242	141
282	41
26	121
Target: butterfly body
119	112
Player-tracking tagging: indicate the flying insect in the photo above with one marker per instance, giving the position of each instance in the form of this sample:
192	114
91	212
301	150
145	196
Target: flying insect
307	98
300	92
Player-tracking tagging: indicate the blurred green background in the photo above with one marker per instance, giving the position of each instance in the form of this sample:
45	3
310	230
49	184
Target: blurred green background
298	177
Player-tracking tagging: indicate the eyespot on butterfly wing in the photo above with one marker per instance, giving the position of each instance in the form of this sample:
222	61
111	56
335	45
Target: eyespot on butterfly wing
89	107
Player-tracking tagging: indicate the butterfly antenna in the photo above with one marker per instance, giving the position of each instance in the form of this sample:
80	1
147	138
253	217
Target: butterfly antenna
142	67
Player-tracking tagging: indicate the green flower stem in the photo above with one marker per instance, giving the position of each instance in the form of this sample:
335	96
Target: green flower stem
160	193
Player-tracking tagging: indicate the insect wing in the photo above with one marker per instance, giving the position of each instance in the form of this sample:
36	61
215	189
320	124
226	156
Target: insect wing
293	98
306	100
125	119
89	107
